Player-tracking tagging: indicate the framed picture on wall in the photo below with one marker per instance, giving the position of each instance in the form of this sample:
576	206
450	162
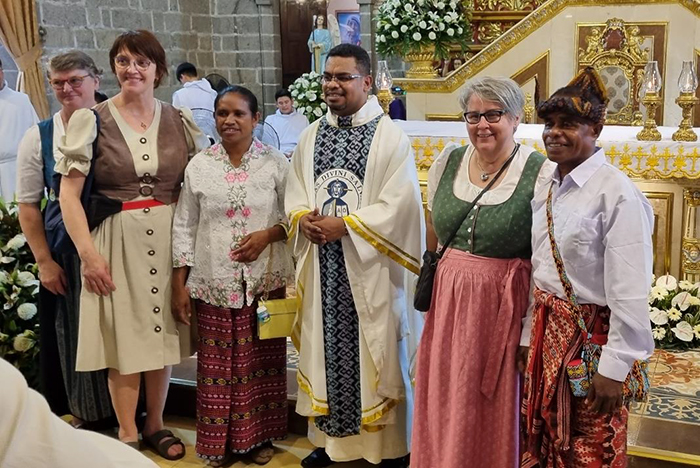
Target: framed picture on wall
349	24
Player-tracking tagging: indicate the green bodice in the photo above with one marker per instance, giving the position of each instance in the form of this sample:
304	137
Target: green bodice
499	231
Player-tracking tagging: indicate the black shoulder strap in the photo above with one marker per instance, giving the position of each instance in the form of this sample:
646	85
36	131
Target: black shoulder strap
478	197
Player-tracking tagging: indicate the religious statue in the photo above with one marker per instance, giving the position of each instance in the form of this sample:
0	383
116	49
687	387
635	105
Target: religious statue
319	44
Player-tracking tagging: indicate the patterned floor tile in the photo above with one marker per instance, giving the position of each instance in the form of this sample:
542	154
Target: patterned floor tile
670	404
677	372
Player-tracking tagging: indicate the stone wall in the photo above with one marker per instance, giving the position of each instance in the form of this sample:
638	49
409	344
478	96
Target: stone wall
9	67
238	39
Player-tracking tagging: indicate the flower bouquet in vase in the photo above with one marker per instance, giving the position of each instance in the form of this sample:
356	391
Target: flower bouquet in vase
422	31
674	311
308	96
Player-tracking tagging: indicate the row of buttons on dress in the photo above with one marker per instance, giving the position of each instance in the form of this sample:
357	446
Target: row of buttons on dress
148	191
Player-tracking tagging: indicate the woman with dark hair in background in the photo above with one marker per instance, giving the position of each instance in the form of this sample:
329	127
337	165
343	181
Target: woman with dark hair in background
142	148
228	251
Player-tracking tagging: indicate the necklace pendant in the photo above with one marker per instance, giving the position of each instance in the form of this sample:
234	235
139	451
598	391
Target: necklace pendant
484	177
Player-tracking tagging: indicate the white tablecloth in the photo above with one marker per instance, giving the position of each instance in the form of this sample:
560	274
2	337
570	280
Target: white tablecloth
663	159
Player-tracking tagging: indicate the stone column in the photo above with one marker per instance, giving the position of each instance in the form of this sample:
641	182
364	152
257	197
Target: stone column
270	73
368	27
690	248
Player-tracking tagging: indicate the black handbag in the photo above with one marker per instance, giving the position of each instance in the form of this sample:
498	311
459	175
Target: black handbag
426	277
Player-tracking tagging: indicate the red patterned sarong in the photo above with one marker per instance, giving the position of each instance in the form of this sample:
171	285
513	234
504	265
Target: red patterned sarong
241	382
560	431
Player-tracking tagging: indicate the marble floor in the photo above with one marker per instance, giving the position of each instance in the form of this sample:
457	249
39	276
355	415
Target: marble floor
288	453
664	432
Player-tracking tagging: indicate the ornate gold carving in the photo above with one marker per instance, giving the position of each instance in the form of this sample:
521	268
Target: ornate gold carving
643	161
422	63
616	38
385	98
691	197
516	34
528	110
685	132
650	133
615	52
691	258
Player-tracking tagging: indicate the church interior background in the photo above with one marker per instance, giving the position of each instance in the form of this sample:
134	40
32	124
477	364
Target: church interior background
262	44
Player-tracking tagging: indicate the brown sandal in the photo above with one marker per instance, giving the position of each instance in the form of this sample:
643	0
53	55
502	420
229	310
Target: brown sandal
161	441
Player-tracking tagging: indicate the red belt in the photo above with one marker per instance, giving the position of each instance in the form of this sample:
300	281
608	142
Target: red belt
140	204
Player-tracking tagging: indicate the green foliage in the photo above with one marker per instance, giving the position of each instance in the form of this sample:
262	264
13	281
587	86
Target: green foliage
308	96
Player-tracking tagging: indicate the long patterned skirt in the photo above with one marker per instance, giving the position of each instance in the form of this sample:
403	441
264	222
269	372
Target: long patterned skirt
241	382
560	430
466	396
82	394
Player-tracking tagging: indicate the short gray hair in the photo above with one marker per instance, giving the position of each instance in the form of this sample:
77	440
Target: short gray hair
73	60
497	89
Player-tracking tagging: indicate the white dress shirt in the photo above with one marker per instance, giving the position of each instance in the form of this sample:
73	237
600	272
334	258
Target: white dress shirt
30	163
288	128
16	116
198	96
602	226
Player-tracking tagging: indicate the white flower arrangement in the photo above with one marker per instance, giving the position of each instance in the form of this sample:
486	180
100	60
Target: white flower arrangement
19	288
404	26
307	94
674	311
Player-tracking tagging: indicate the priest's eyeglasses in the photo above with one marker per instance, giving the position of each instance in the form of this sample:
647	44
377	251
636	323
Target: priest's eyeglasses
340	79
74	82
492	116
141	64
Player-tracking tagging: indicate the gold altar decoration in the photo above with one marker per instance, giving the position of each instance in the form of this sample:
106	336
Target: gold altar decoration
615	52
687	83
686	101
515	35
650	161
383	81
421	63
528	109
690	247
650	133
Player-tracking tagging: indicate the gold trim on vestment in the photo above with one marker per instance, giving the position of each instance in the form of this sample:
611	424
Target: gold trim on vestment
379	243
293	228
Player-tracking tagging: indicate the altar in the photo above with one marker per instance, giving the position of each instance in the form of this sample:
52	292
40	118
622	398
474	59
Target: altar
667	171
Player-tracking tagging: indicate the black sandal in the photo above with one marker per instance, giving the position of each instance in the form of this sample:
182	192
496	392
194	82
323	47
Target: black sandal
158	443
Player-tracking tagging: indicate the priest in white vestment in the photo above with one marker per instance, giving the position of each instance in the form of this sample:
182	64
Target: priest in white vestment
357	263
16	116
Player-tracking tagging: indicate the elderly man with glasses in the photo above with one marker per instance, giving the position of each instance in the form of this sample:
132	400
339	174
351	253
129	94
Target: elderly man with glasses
16	116
356	267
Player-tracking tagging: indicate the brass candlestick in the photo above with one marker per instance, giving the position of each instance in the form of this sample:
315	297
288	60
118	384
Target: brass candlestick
528	110
650	133
686	101
385	98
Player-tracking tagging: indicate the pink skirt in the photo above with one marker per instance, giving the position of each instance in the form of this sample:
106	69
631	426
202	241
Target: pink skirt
467	383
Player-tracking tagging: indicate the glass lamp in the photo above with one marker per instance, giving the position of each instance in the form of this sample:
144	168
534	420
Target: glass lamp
383	81
687	83
651	86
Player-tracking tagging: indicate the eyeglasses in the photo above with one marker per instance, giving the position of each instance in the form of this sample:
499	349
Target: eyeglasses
74	82
492	116
340	79
141	64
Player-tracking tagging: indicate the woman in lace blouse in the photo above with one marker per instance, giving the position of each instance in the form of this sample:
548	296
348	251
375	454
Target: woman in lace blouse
228	250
